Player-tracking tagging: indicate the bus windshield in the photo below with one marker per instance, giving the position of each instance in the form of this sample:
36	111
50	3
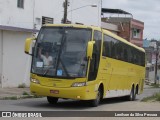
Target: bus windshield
61	52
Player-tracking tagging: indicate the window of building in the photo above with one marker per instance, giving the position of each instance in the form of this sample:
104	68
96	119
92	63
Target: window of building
136	33
20	3
47	20
152	69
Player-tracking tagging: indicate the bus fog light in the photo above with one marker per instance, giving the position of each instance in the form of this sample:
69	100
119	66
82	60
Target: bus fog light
79	97
79	84
35	81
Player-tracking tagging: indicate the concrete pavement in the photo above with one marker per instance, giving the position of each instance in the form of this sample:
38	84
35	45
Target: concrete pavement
13	92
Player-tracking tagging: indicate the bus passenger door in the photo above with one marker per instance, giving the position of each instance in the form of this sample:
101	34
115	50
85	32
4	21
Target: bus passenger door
94	63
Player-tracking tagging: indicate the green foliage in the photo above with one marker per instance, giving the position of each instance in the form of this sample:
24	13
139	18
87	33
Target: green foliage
158	97
155	97
25	93
155	85
11	98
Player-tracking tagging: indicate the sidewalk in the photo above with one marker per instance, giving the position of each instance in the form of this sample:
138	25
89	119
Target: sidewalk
147	86
13	92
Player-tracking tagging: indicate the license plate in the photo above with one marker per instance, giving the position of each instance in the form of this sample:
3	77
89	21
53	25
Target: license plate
54	91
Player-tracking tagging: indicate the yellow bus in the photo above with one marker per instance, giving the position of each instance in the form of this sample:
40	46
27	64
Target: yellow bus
84	63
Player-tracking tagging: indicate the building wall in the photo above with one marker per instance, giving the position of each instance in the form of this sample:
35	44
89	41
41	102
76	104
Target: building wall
123	25
135	24
126	26
1	42
16	64
151	76
48	8
111	27
87	14
151	73
18	17
35	9
124	30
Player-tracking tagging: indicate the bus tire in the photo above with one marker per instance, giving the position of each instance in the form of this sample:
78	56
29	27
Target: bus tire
95	102
52	100
132	95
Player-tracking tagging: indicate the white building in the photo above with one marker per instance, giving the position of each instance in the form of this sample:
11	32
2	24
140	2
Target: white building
20	18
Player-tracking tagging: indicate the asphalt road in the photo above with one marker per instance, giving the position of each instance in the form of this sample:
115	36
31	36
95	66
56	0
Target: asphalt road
114	104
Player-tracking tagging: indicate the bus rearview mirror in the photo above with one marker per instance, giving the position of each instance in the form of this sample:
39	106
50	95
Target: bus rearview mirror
28	43
90	49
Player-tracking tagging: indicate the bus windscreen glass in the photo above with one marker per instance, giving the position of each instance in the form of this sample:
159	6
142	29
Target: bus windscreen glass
61	52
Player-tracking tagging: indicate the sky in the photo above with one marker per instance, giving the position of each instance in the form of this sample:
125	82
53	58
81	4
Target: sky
147	11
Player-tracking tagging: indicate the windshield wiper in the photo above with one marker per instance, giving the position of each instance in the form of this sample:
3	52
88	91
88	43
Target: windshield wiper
46	71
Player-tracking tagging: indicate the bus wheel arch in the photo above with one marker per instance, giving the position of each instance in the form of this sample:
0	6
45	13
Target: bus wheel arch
100	92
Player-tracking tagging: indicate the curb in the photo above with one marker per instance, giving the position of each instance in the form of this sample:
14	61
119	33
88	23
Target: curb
17	97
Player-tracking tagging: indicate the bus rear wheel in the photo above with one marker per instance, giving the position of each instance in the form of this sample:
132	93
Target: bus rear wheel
95	102
52	100
132	95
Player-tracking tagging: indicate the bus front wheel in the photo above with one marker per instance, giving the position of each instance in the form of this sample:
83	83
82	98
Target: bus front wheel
52	100
95	102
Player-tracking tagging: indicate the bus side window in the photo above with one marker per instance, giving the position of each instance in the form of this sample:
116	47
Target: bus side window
125	53
93	71
107	46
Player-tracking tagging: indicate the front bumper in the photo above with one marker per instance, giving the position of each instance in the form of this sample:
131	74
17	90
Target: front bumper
79	93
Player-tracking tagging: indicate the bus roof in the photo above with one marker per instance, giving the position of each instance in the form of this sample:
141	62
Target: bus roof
97	28
74	25
68	25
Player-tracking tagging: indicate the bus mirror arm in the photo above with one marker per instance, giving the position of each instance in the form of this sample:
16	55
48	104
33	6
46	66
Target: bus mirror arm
90	49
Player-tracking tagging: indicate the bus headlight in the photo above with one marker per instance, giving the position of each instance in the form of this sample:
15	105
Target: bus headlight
35	81
79	84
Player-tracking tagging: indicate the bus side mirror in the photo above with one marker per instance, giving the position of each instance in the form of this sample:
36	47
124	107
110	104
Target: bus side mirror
90	49
28	43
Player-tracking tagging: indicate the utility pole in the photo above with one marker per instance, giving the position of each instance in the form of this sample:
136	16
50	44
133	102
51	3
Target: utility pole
155	79
157	53
65	5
